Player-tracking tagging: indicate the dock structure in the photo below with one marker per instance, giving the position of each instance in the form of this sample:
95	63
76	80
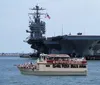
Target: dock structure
10	54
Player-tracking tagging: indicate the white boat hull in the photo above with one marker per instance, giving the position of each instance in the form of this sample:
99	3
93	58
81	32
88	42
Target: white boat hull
53	73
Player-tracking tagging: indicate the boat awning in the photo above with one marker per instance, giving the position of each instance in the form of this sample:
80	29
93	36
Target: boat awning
58	55
43	54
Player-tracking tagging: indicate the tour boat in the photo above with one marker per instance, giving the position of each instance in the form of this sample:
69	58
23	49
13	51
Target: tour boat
55	64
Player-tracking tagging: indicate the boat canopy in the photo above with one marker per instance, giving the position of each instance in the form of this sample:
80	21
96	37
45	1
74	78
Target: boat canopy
58	55
43	55
55	55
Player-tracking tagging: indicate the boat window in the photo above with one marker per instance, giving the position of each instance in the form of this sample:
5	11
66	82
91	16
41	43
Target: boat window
55	58
82	66
65	66
56	66
74	66
50	58
47	65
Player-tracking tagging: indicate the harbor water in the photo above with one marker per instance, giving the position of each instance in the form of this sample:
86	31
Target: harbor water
10	75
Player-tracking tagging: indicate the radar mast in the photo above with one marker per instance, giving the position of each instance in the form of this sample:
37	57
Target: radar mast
37	27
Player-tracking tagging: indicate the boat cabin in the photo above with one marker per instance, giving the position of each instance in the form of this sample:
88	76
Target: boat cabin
52	61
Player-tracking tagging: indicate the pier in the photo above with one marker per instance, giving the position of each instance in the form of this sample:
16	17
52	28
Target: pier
11	54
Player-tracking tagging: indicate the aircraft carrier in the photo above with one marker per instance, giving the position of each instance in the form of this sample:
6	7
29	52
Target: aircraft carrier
75	45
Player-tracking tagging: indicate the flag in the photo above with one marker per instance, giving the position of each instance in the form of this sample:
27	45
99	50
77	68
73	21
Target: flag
47	16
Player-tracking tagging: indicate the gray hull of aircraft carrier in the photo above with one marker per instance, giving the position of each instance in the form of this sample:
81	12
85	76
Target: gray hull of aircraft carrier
81	45
74	45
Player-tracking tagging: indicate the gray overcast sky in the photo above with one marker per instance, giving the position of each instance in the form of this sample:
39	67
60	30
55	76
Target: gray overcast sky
74	15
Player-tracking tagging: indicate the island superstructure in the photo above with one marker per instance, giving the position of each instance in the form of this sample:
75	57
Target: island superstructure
79	45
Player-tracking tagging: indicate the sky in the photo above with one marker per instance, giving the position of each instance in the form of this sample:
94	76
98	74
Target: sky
72	16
